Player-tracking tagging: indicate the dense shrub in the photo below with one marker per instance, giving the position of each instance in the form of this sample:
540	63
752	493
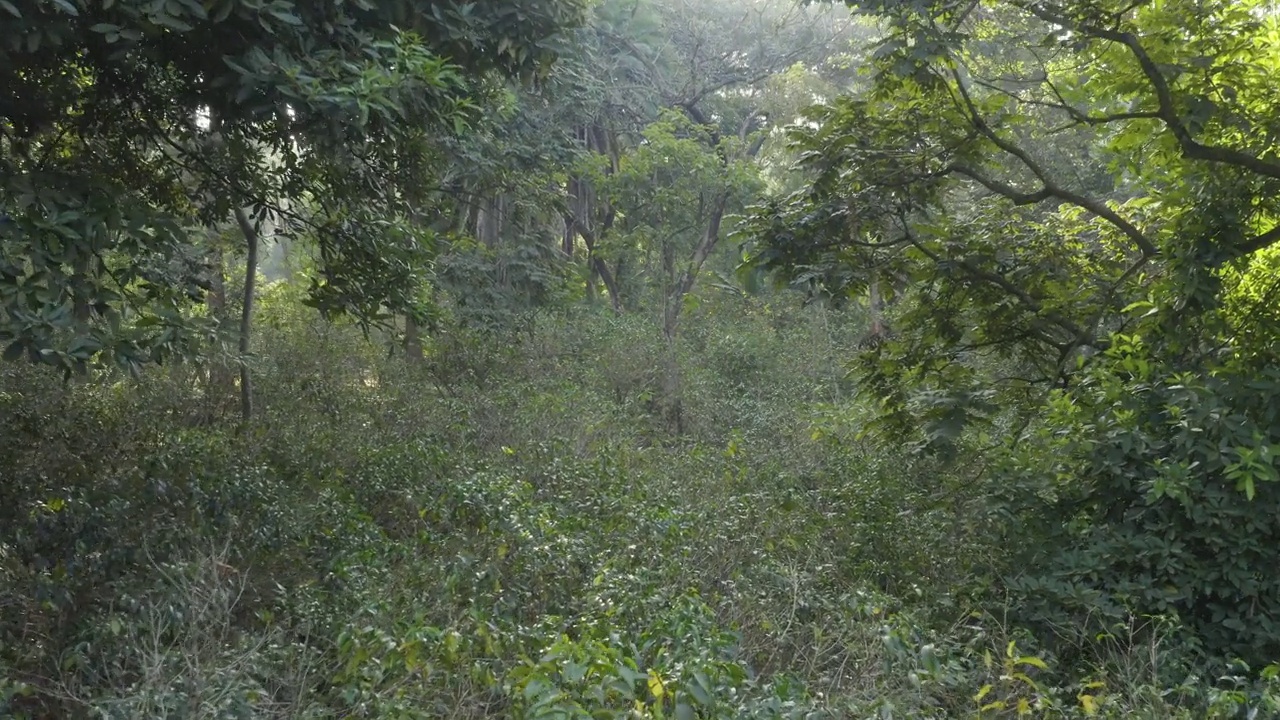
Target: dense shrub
1152	491
382	544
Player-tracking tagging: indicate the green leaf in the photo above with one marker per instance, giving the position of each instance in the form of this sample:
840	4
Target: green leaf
286	17
236	66
224	10
1032	661
9	8
66	7
700	688
171	22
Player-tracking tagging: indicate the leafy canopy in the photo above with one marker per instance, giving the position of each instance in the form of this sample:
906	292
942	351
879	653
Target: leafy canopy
1073	206
126	124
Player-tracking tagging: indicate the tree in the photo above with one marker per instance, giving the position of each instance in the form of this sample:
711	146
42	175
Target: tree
1078	196
971	166
671	193
672	138
125	123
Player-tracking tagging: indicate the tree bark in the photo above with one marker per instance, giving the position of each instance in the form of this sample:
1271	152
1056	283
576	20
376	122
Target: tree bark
246	313
877	309
489	221
599	266
570	237
571	221
672	390
710	238
412	341
221	385
610	283
674	303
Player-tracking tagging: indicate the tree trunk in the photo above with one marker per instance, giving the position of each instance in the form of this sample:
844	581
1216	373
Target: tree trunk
673	400
601	268
489	221
569	239
593	272
471	220
216	298
221	385
571	217
412	341
877	309
246	314
221	379
584	204
675	300
672	392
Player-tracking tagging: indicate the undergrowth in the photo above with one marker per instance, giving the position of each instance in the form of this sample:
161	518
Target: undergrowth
507	531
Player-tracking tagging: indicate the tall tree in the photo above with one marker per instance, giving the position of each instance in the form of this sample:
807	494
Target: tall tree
672	139
1081	196
1033	169
105	159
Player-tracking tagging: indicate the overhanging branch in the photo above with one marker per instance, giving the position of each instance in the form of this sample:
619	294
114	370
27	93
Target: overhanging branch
1008	191
1050	188
1077	334
1258	242
1167	109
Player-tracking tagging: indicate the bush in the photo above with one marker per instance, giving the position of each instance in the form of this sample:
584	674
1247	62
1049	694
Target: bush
1150	491
378	544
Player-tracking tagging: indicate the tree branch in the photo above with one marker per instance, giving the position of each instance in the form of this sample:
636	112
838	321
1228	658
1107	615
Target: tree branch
1080	117
1259	242
1050	189
1168	111
1008	191
1078	334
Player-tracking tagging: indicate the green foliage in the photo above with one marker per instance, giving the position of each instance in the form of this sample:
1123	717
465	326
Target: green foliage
122	132
521	543
1072	227
503	288
667	189
1159	501
981	204
1046	487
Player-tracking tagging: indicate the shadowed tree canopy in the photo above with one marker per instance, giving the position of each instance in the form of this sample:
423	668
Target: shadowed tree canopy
474	421
123	124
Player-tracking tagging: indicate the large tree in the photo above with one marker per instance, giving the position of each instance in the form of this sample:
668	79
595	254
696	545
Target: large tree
124	123
1080	196
1030	169
673	135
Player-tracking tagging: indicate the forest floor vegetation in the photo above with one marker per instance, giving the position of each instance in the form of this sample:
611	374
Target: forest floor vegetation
506	530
